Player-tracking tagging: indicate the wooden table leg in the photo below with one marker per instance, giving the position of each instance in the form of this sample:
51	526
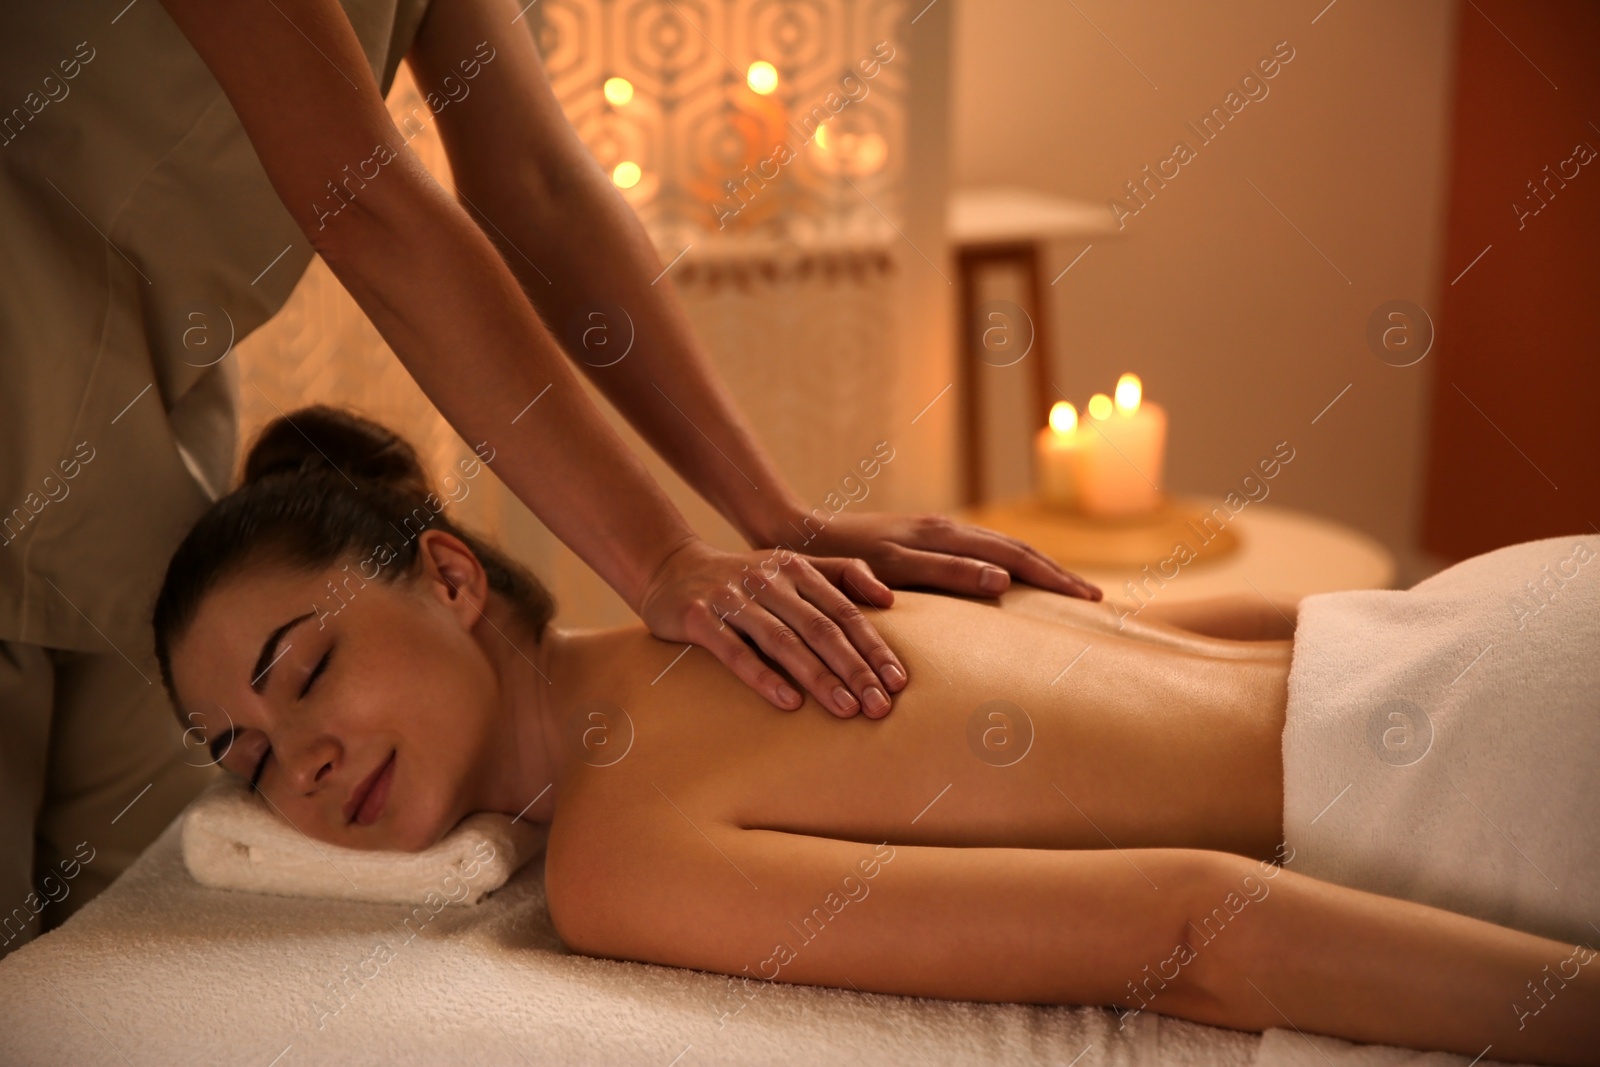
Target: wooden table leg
969	260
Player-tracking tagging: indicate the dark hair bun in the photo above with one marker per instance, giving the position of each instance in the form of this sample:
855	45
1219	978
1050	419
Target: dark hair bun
321	439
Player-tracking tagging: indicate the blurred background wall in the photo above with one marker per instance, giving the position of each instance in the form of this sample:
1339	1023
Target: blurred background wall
1514	430
1241	291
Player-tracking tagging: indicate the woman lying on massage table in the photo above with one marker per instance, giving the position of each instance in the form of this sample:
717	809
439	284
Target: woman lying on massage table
1059	812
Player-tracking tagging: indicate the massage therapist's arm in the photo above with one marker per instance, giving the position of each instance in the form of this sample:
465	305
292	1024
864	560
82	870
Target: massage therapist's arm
575	244
442	297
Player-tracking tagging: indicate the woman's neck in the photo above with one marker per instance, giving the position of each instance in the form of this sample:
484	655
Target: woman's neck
523	770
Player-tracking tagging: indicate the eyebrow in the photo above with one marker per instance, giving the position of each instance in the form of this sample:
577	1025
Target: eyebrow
270	654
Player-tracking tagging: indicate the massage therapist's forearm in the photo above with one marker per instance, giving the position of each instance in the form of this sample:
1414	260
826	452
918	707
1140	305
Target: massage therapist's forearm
444	301
665	386
575	244
1329	959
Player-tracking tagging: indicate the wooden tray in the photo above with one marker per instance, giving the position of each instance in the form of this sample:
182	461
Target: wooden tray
1074	539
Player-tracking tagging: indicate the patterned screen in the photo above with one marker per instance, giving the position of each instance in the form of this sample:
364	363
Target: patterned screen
707	113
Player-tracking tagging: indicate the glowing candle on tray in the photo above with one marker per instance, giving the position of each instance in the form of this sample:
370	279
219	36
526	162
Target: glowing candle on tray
1056	457
762	77
1119	470
618	91
626	175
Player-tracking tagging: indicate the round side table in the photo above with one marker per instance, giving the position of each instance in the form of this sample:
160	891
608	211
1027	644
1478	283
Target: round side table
1279	550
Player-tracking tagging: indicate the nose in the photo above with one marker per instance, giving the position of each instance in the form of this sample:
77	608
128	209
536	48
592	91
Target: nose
310	763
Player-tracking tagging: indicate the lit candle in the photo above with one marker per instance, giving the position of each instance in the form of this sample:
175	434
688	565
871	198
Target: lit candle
744	148
762	77
1056	457
1120	462
848	152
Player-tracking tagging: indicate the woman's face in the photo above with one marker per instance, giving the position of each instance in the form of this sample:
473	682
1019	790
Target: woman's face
326	690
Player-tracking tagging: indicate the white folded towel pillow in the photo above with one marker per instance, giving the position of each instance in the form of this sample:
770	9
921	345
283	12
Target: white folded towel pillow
232	839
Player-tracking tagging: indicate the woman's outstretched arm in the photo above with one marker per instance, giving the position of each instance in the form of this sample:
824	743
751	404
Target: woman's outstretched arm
1042	926
1201	935
1328	959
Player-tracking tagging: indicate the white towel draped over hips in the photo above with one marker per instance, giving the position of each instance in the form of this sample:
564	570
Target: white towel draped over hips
1442	742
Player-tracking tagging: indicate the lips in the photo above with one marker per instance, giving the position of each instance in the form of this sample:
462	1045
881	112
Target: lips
366	803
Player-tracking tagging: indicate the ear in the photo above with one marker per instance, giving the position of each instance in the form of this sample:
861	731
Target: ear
452	574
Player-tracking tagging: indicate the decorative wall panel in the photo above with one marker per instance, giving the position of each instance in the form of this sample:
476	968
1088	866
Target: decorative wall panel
727	150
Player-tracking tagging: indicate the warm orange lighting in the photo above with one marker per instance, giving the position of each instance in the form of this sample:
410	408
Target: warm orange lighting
626	175
1099	406
1063	417
762	77
618	91
1129	391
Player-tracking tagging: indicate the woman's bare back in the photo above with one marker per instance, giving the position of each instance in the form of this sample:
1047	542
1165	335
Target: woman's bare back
1124	857
1035	723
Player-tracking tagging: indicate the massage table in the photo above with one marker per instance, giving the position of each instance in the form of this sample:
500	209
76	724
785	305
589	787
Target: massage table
161	970
1490	813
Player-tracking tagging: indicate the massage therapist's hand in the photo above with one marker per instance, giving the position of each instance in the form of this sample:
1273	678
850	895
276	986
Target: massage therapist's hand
934	550
792	608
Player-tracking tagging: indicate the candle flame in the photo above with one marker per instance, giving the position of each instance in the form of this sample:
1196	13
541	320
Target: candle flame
1129	392
618	91
626	174
1063	417
1099	406
762	77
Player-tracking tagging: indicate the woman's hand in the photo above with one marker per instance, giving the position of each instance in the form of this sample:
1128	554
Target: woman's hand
937	551
793	610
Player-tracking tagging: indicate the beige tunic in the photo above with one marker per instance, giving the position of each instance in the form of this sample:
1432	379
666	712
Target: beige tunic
139	239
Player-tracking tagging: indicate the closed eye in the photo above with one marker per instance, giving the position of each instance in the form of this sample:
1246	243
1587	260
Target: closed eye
316	672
